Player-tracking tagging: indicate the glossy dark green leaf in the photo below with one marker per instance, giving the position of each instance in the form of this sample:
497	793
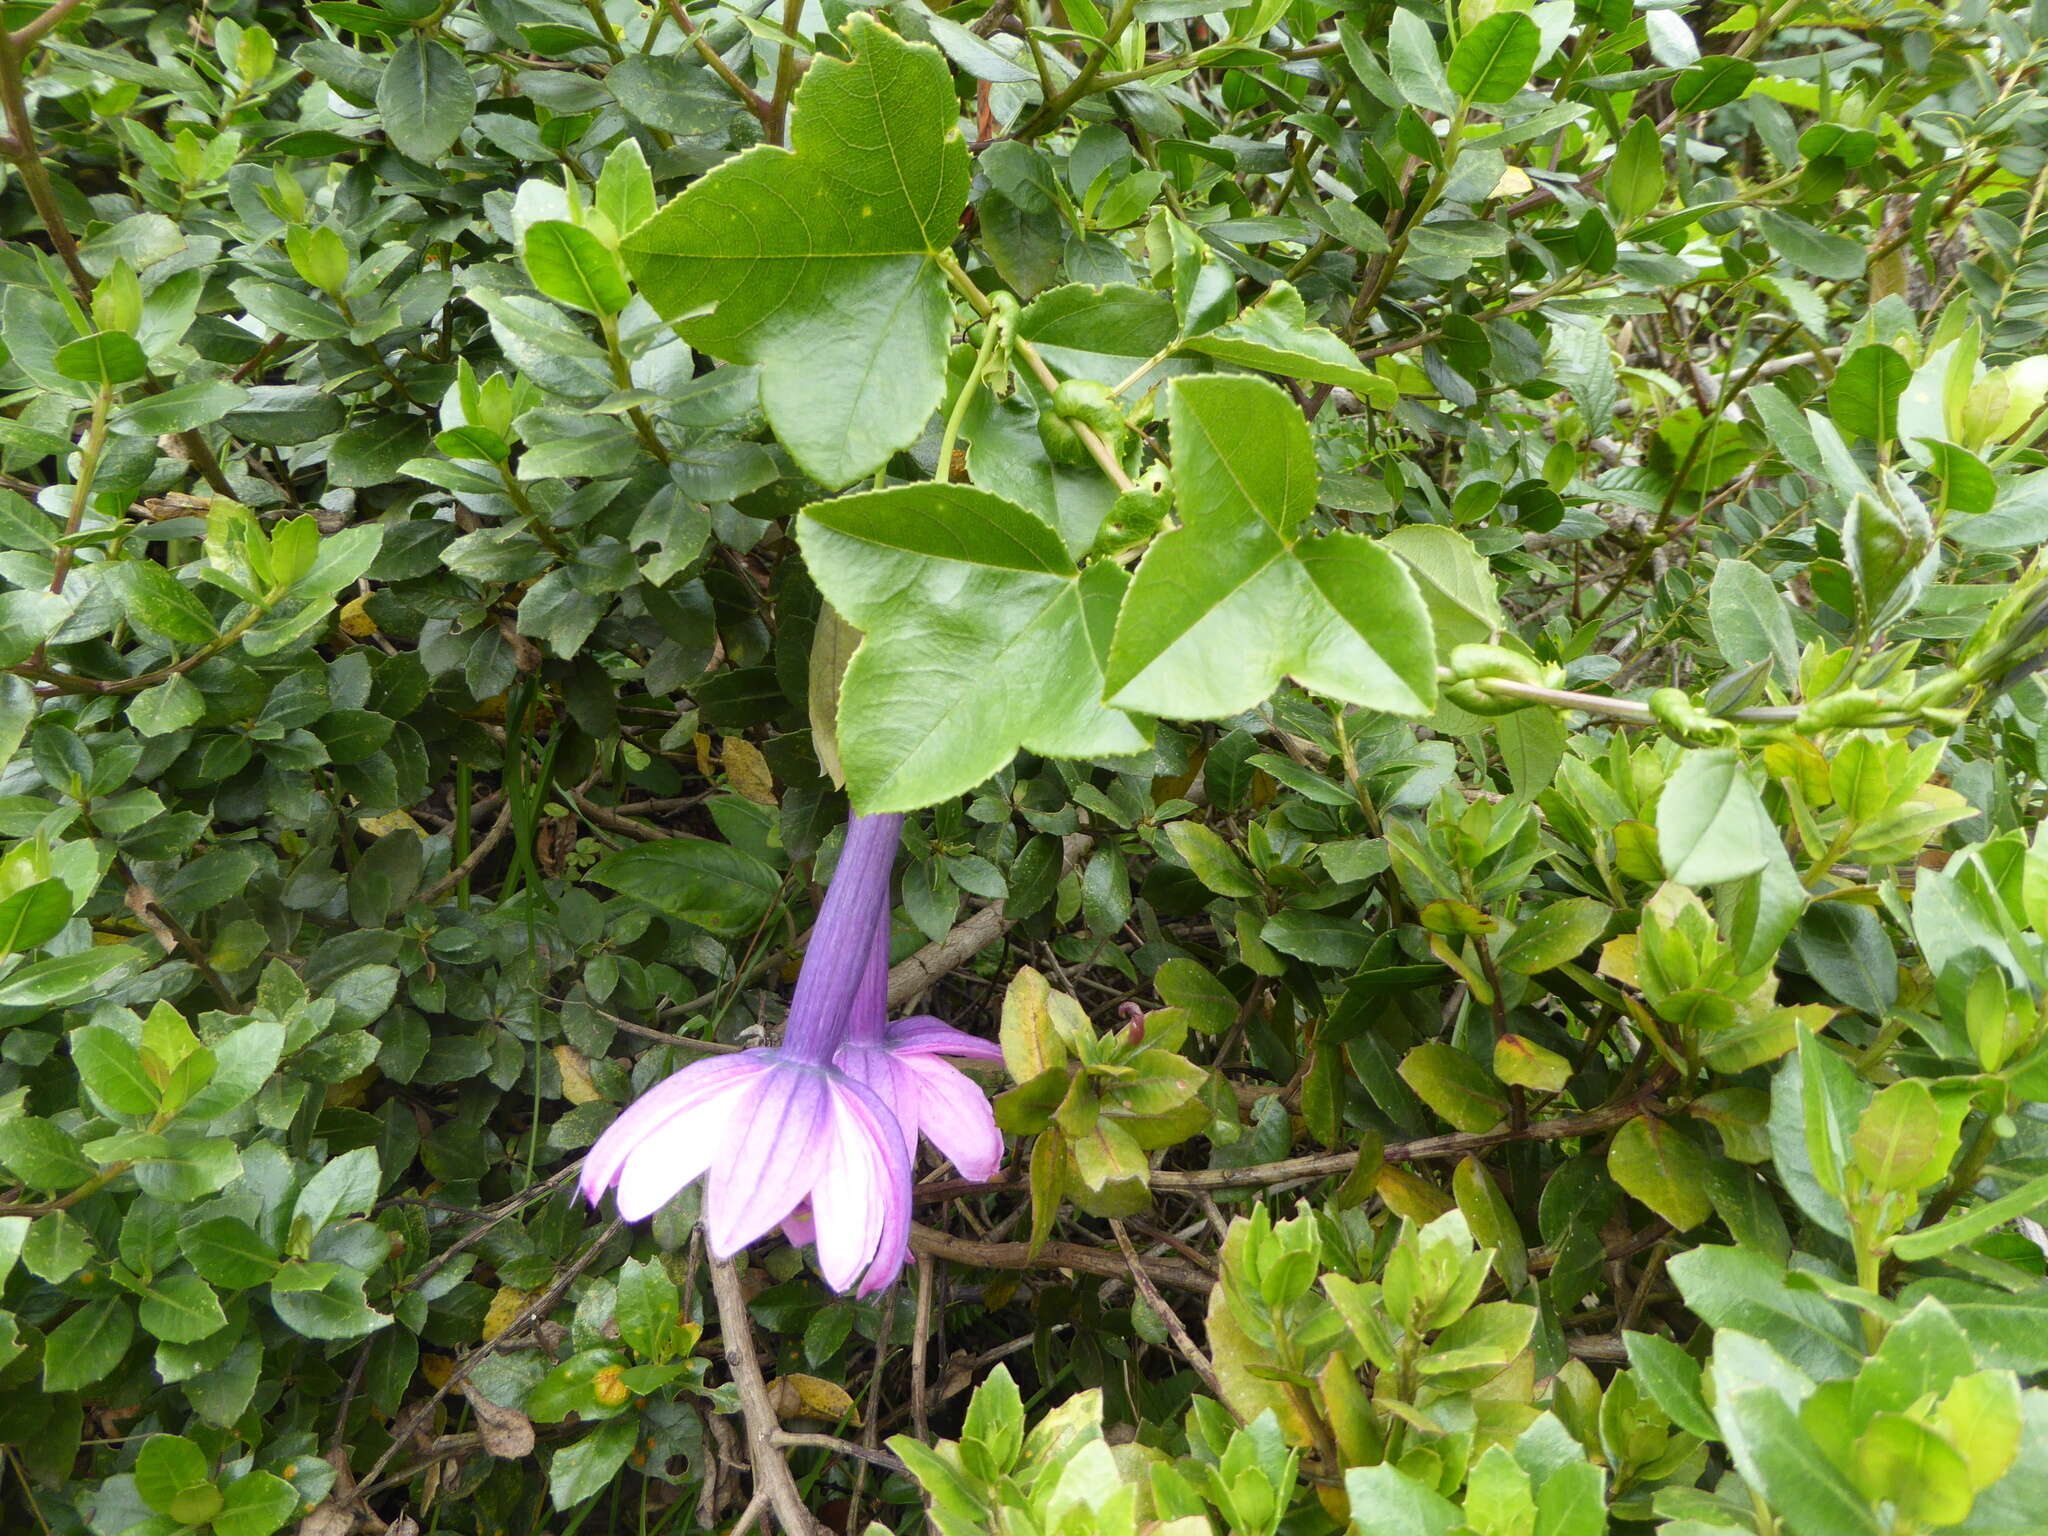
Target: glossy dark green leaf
425	98
715	886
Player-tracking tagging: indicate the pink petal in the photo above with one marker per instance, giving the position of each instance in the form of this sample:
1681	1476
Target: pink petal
847	1204
770	1164
954	1114
681	1149
927	1036
889	1080
671	1098
891	1214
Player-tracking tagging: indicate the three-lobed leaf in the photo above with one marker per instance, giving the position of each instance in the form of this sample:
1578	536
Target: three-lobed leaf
820	262
980	637
1226	605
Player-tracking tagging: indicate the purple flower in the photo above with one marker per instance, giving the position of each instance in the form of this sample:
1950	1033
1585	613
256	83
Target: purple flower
903	1063
782	1135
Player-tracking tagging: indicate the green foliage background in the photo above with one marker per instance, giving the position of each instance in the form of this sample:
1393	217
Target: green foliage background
1450	593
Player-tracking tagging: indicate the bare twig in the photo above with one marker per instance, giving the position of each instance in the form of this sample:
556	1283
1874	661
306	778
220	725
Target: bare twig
1182	1341
920	1340
771	1472
468	866
1090	1261
534	1311
913	977
790	1440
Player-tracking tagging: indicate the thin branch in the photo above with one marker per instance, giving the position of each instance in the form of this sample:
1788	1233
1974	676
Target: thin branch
790	1440
468	866
1088	1261
1182	1341
771	1471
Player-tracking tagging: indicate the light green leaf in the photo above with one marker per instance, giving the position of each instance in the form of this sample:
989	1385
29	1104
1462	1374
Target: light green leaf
1385	1501
1225	605
1494	59
571	265
588	1466
105	360
344	1186
171	1475
1864	397
981	637
179	410
1811	250
1275	335
1554	934
1750	620
1662	1169
181	1309
1973	1224
1635	181
1455	1086
111	1069
1456	583
1774	1453
27	619
256	1506
1215	863
818	261
1711	824
1672	1378
170	706
65	979
1416	66
1745	1291
87	1345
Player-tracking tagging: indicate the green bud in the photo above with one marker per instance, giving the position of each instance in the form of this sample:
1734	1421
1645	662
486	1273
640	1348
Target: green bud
1089	401
1137	516
1849	708
1685	721
1061	442
1472	697
1471	661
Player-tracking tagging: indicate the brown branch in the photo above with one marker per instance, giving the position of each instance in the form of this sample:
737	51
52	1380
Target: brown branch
467	867
1319	1165
1182	1341
790	1440
608	818
913	977
1089	1261
771	1471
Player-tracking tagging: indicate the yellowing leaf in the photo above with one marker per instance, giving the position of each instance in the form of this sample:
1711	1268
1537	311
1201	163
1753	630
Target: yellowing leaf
356	622
797	1396
1662	1169
1618	959
577	1087
504	1307
1514	182
1409	1195
746	770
